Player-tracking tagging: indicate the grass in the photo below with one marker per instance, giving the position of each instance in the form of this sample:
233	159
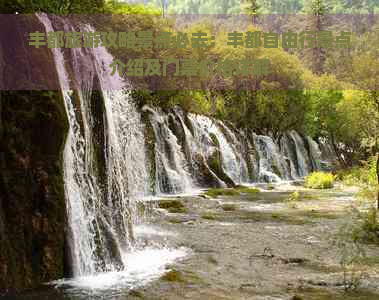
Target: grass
319	180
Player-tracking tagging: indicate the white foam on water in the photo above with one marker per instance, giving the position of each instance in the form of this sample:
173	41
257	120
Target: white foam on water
147	230
188	193
142	267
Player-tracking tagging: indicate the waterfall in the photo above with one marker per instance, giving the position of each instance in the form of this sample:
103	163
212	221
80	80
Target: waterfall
198	148
288	149
314	154
101	186
243	176
106	168
272	164
172	174
205	131
302	158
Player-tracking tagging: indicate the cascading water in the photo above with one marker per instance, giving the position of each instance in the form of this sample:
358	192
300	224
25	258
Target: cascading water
328	153
314	154
198	148
302	158
288	149
232	163
250	154
100	201
237	149
172	175
272	166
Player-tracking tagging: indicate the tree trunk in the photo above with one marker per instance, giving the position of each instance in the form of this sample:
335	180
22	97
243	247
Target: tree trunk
377	176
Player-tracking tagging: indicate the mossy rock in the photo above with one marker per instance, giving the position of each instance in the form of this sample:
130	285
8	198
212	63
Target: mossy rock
205	176
173	276
229	207
214	193
209	216
247	190
172	206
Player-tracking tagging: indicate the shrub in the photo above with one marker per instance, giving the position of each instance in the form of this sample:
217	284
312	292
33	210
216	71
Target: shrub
319	180
364	177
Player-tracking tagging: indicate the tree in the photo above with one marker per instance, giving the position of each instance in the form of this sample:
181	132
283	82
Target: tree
251	7
52	7
317	9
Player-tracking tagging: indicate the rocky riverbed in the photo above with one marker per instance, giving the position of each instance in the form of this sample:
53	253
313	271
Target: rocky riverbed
261	245
267	242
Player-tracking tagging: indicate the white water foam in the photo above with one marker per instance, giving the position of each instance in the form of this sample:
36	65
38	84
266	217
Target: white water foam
142	266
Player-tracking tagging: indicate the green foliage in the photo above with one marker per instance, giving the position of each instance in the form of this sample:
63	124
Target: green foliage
319	180
52	7
365	177
370	226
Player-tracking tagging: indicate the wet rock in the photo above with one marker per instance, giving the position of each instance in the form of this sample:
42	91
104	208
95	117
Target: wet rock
229	207
32	203
172	206
173	276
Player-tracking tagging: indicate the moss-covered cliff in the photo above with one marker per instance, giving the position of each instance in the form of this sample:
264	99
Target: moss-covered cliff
33	127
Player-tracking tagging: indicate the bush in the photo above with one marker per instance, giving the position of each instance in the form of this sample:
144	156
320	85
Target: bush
364	177
319	180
